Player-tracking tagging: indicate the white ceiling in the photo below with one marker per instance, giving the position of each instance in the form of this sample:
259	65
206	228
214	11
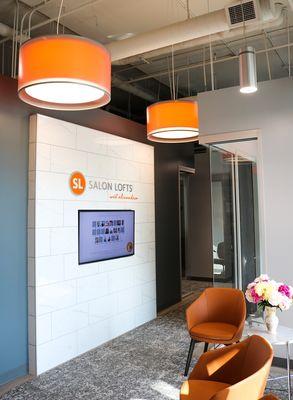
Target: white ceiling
106	18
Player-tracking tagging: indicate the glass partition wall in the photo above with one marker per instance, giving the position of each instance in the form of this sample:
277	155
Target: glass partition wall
234	217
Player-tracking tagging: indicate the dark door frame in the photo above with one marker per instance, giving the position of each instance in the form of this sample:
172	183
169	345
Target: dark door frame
191	171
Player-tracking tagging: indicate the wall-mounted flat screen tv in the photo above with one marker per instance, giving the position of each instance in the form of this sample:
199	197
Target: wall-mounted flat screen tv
105	234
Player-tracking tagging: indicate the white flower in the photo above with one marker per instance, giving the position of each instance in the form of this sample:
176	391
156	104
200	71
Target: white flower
274	298
262	278
285	303
249	296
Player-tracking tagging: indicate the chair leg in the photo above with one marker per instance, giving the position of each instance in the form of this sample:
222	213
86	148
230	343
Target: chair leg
206	346
189	357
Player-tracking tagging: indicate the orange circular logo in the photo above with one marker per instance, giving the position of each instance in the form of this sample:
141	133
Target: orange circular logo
77	183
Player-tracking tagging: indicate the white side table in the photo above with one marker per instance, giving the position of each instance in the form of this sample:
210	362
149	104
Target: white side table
283	337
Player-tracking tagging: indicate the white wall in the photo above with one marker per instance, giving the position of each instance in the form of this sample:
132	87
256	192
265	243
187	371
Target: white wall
270	110
73	308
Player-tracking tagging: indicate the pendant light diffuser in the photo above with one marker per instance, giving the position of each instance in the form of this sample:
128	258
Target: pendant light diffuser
174	121
64	72
247	70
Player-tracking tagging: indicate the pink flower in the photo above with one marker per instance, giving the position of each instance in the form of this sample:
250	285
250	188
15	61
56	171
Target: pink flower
285	290
255	296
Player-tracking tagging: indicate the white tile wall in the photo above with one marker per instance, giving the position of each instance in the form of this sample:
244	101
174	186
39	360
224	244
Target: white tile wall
74	308
91	141
49	213
42	242
56	352
56	296
101	166
93	335
63	240
49	269
43	329
44	157
102	308
92	287
69	320
67	160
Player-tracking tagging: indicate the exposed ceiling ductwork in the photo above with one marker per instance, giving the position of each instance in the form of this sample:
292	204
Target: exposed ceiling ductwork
145	54
8	32
5	30
136	91
193	32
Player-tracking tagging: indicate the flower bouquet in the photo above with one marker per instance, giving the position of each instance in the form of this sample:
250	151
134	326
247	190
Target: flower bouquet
270	295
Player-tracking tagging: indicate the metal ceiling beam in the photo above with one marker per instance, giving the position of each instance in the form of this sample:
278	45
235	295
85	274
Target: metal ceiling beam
54	19
126	86
207	62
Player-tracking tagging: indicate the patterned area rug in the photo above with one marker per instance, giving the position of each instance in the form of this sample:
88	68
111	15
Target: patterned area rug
144	364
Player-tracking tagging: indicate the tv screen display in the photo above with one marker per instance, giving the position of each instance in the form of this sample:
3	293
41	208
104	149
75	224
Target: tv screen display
105	234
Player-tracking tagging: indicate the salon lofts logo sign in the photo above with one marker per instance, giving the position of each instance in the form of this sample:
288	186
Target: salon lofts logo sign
77	183
116	190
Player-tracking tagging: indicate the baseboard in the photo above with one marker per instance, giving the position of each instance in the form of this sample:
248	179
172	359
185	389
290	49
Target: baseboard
281	362
198	278
14	383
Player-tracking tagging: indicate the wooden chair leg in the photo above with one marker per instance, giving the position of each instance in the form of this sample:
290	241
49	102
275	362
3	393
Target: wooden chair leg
189	357
206	346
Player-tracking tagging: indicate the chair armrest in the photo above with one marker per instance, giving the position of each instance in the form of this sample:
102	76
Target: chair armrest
251	388
213	362
238	334
241	320
196	313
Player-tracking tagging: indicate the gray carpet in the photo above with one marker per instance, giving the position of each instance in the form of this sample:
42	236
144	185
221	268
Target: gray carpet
144	364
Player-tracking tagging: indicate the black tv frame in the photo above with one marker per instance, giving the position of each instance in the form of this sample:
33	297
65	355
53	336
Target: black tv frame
111	258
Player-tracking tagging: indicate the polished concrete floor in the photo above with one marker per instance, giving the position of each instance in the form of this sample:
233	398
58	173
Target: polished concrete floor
144	364
189	286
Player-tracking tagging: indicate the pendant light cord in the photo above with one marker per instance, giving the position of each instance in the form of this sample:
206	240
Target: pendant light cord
244	26
211	55
289	48
173	74
59	16
188	9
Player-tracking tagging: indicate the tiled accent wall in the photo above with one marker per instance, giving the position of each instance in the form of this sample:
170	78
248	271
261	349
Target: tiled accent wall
73	308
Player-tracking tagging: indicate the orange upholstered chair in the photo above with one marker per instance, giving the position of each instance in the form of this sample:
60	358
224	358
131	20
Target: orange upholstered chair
217	316
269	397
237	372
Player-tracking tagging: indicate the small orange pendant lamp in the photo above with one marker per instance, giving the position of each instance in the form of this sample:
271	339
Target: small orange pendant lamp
173	121
64	72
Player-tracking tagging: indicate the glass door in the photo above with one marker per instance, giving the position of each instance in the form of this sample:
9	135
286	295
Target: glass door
235	216
223	219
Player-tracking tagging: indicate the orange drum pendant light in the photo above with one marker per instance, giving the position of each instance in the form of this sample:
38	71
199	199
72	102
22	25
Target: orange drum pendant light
64	72
174	121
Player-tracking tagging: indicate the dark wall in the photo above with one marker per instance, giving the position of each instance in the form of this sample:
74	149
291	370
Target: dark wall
199	257
14	131
167	159
95	119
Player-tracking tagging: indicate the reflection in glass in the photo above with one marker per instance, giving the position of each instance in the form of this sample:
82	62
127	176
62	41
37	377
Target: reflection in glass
235	218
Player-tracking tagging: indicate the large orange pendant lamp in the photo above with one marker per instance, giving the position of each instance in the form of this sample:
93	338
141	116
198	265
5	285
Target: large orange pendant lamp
64	72
174	121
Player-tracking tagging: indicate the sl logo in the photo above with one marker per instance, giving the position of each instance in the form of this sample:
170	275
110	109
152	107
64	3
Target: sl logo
77	183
